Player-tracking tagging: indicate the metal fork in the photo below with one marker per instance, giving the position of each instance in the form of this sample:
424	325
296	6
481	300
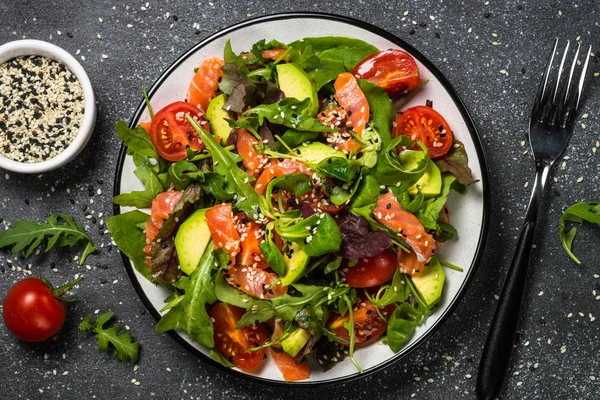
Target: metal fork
550	128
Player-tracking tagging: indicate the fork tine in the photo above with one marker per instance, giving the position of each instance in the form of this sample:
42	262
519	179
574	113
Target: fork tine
571	101
560	70
537	104
582	78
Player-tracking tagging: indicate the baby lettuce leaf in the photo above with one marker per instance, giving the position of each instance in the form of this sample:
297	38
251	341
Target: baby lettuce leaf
317	234
225	164
402	322
339	168
272	254
456	162
389	170
429	213
357	241
190	313
148	175
294	138
137	140
243	91
165	264
381	107
349	51
130	238
395	293
367	193
584	211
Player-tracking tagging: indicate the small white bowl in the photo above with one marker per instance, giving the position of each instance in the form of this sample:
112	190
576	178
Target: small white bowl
20	48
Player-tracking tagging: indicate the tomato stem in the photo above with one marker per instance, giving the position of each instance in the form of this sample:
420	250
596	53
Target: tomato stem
62	290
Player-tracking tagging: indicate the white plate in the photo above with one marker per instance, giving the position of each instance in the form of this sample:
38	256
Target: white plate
469	212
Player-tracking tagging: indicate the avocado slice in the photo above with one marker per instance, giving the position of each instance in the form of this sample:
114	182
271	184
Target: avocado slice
191	240
293	343
430	281
216	115
315	152
430	184
295	260
294	82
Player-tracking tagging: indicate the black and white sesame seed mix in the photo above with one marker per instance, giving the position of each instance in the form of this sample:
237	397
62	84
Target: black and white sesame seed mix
41	108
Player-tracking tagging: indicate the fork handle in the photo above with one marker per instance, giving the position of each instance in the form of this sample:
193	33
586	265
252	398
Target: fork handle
498	347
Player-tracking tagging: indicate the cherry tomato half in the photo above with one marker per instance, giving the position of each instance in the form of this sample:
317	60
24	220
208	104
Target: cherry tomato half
370	272
31	312
394	70
233	343
368	325
427	125
171	132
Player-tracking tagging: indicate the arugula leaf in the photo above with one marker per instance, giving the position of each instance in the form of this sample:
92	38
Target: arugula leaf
456	161
381	107
190	313
389	170
583	211
402	322
130	238
349	51
317	234
137	140
59	230
225	164
286	112
124	345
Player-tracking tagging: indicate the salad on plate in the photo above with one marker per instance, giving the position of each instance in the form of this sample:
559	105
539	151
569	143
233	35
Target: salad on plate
296	206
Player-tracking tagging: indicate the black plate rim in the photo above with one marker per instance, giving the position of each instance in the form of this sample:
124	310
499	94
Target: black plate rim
472	131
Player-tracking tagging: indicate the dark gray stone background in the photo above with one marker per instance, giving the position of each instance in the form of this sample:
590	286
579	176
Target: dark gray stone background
446	365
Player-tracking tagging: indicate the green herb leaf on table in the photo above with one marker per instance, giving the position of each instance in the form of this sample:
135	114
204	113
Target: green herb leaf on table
583	211
130	238
59	230
125	347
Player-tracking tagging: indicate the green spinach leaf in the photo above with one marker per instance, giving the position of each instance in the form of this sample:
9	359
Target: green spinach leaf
125	231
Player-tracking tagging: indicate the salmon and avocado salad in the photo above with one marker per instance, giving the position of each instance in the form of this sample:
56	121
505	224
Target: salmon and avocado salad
295	214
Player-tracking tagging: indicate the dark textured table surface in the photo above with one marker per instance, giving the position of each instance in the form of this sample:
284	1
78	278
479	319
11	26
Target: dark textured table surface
492	52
